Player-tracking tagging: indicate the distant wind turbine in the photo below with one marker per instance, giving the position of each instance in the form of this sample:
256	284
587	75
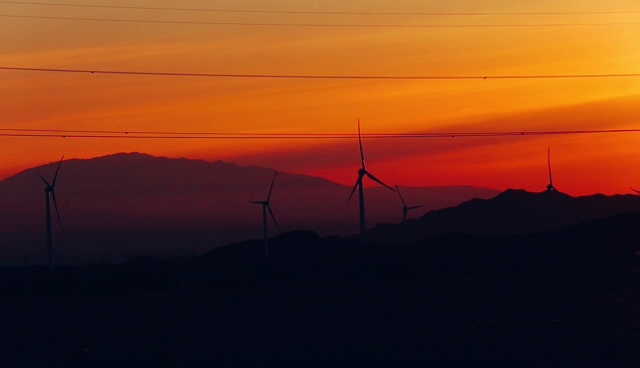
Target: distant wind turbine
265	206
550	186
550	190
49	191
405	210
361	174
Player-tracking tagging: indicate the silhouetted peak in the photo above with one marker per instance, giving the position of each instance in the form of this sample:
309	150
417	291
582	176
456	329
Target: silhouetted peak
126	154
139	157
521	194
120	157
510	194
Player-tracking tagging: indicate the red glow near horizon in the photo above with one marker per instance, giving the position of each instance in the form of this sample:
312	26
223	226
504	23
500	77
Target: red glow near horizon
582	164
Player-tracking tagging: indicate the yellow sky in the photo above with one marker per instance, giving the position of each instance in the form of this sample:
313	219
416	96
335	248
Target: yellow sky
69	101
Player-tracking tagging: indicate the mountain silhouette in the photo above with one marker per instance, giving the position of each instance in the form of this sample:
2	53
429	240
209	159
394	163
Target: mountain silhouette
126	205
513	211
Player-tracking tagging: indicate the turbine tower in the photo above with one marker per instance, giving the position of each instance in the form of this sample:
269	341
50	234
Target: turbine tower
49	191
405	210
362	172
265	206
550	190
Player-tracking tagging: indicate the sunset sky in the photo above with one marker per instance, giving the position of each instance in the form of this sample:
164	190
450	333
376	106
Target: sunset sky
606	163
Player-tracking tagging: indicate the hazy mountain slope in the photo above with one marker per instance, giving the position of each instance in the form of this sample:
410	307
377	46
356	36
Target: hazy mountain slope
182	197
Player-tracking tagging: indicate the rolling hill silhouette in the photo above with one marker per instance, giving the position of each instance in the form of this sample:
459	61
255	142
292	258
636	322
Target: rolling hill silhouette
570	295
511	212
132	204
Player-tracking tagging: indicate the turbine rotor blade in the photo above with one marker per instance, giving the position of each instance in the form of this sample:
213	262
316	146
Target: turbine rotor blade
271	189
55	177
414	207
273	217
635	190
44	180
354	188
55	205
361	150
379	181
400	194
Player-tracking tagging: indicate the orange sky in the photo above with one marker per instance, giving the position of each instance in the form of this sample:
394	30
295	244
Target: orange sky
582	164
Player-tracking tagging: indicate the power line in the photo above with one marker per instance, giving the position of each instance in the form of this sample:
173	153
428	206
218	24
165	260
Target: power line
313	76
310	12
320	25
113	134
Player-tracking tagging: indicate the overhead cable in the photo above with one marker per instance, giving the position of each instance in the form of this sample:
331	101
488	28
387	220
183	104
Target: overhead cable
311	12
113	134
319	25
321	76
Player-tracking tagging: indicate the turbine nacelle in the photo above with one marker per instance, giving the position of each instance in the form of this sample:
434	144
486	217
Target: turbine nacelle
361	174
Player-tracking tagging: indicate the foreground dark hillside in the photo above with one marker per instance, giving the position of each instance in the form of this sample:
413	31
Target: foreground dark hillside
568	297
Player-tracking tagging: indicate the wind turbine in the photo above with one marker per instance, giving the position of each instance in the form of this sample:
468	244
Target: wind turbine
49	191
362	172
635	190
265	206
405	210
550	186
550	190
